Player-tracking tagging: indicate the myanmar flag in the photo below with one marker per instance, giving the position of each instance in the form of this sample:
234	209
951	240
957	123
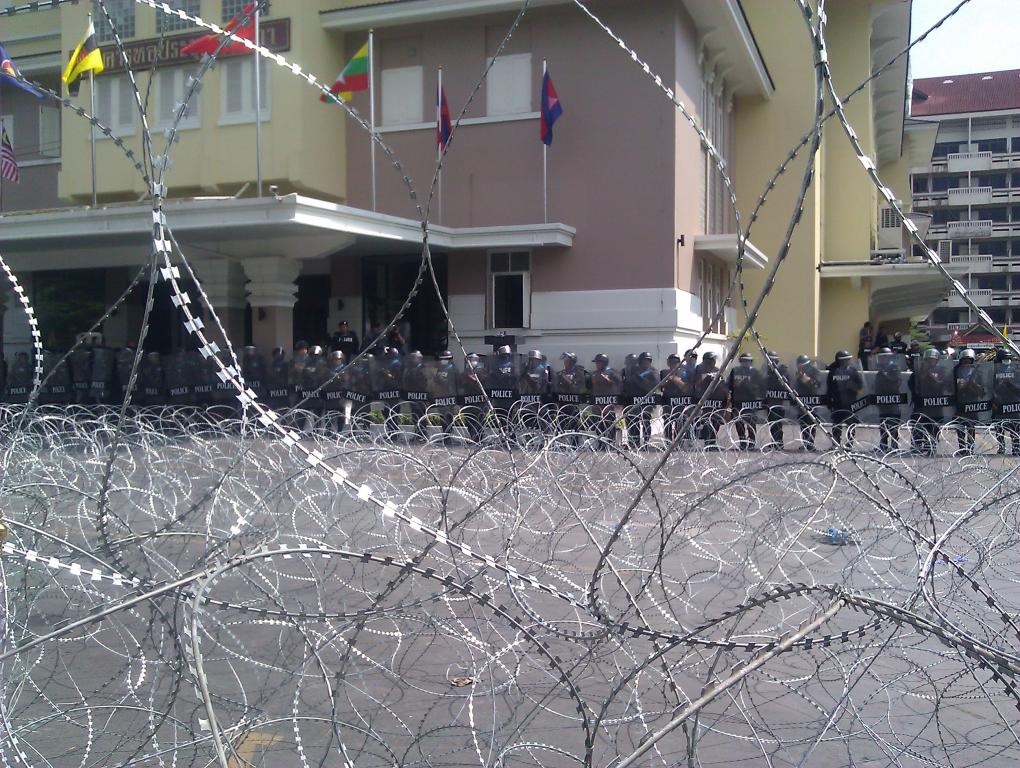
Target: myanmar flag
86	58
353	78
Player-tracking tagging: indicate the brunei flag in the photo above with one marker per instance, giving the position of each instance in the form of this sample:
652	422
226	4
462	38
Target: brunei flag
353	78
86	58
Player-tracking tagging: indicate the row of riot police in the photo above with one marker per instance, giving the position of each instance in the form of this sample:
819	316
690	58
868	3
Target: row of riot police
512	393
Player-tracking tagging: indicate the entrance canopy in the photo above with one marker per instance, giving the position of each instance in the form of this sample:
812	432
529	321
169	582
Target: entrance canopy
291	226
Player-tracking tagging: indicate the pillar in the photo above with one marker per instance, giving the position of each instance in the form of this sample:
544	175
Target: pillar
272	295
223	283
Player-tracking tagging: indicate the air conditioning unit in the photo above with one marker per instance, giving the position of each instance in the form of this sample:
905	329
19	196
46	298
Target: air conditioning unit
890	229
945	249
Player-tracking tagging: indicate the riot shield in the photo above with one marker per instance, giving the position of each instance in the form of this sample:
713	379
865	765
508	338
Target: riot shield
416	392
443	387
19	380
533	394
714	388
314	374
357	378
150	389
57	389
225	393
278	381
974	384
388	379
606	396
179	381
847	389
777	397
81	373
473	386
333	390
504	379
104	363
570	385
888	386
125	359
639	398
677	397
747	392
934	387
1006	391
253	369
297	374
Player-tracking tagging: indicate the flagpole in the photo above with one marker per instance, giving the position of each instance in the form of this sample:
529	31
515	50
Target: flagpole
371	108
92	128
439	145
2	128
545	161
258	107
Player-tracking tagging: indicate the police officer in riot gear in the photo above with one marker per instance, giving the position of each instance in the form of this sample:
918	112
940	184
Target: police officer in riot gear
913	354
776	398
898	346
474	389
605	390
1006	413
713	413
278	380
81	371
314	375
844	387
808	383
389	376
888	388
640	382
969	390
533	389
416	381
151	387
125	359
297	372
19	380
709	363
926	383
444	390
745	392
569	386
253	369
503	386
676	395
104	362
334	404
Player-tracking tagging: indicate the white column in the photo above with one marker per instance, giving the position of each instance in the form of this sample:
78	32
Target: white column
223	283
272	295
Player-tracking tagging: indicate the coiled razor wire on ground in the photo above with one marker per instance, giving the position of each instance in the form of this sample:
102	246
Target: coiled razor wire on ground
194	587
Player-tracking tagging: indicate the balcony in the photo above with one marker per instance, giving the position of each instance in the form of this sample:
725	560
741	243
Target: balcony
980	296
972	263
961	162
968	229
970	196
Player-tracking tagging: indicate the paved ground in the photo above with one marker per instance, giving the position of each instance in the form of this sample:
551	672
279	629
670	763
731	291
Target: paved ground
433	675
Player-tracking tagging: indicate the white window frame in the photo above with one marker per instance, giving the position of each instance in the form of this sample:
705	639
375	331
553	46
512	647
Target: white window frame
247	112
123	14
123	91
402	101
49	146
179	76
525	287
520	65
166	22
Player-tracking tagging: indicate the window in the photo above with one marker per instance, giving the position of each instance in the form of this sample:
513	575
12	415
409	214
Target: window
1015	284
122	14
233	8
943	183
1016	180
713	283
920	184
511	289
49	131
994	180
944	316
991	248
508	86
940	216
943	148
1015	143
166	22
996	146
115	104
995	282
997	314
171	88
237	90
402	90
998	215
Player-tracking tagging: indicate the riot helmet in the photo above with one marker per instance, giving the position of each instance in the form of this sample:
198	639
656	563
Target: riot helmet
803	360
967	355
446	355
279	353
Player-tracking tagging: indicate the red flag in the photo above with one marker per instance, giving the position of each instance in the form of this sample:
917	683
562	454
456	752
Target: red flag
207	44
443	128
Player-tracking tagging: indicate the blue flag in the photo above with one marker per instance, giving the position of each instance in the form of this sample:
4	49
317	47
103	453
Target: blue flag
10	74
551	109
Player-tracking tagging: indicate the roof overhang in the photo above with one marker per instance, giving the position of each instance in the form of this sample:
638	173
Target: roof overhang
724	30
399	12
910	289
725	248
890	34
292	226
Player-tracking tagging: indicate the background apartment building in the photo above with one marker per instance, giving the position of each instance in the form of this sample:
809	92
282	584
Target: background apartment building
972	192
639	246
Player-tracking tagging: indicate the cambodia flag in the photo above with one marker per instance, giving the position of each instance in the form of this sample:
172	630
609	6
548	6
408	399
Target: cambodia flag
443	128
551	109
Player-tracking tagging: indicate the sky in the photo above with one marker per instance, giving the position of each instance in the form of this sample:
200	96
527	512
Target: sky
981	37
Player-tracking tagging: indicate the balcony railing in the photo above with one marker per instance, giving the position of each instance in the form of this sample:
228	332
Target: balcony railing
969	161
970	195
973	263
980	296
976	228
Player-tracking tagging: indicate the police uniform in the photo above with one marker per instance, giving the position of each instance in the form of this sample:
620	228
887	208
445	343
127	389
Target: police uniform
676	396
776	398
346	341
533	389
745	393
570	386
605	392
640	382
713	413
807	383
845	385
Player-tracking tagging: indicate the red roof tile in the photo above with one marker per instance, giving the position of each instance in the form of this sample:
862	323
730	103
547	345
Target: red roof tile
952	94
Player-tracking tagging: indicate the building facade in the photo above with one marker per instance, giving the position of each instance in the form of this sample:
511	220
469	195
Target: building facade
971	191
630	245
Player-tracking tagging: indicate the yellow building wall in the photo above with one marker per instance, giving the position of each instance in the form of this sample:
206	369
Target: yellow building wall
302	140
844	311
765	133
